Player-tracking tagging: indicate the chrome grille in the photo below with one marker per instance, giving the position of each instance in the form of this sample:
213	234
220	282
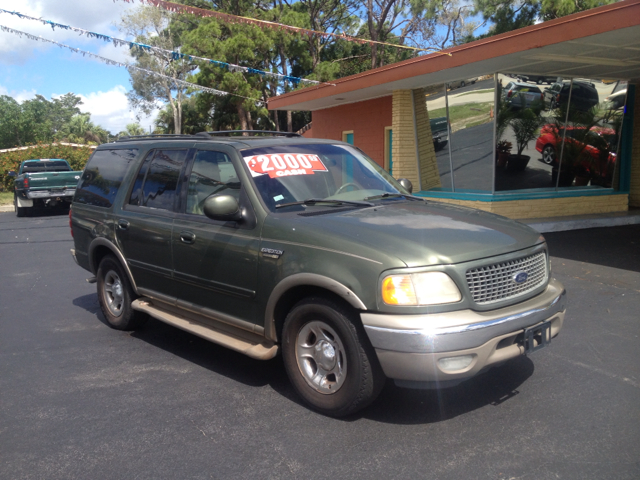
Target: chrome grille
494	283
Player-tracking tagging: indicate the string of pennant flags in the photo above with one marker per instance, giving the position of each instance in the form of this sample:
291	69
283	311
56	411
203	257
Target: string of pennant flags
173	54
229	18
128	66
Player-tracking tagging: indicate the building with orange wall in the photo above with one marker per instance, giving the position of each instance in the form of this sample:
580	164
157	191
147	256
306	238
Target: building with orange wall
388	113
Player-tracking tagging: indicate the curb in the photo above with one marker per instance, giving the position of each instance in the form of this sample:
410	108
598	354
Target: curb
6	208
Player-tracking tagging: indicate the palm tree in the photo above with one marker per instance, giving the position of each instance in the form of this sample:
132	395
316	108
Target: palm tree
81	129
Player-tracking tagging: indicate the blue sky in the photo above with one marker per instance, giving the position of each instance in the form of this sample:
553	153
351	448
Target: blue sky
29	67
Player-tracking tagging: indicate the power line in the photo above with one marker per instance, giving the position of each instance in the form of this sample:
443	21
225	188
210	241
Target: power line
128	66
173	54
229	18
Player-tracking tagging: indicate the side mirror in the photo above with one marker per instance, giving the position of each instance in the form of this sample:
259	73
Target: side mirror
406	184
223	208
12	173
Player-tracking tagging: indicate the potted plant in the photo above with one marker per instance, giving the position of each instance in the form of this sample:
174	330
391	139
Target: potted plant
524	123
503	150
576	143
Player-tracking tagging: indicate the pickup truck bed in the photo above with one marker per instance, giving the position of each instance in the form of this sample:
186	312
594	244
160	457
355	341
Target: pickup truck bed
44	183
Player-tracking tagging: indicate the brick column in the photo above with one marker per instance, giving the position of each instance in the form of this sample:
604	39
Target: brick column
415	162
634	188
429	175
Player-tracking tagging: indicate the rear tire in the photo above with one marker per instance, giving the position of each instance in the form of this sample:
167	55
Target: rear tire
115	296
329	358
20	211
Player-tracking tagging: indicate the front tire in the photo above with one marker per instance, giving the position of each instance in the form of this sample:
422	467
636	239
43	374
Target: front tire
329	359
115	296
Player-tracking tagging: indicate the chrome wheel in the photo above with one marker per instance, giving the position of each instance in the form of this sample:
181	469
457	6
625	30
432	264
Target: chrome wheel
113	291
321	357
548	154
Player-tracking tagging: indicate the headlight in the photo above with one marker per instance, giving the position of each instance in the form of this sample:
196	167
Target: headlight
429	288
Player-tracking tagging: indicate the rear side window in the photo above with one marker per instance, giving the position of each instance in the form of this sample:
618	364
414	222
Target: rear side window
103	175
157	181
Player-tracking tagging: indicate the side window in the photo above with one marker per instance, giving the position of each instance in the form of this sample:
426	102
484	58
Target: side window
159	179
212	173
136	192
103	175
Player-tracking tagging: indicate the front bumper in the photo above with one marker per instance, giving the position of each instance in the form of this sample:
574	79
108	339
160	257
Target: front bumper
410	346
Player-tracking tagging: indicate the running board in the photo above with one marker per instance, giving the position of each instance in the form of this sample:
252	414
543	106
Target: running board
253	345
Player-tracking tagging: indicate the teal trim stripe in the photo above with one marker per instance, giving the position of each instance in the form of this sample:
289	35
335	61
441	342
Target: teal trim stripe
524	195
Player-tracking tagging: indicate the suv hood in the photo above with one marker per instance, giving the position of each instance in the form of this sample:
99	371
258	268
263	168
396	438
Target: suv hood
416	233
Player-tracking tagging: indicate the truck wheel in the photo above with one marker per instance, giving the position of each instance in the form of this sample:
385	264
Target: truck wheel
329	359
549	154
20	211
115	296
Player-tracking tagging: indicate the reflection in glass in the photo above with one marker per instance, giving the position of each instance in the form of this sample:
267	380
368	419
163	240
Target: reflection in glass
471	144
103	175
586	142
161	182
563	135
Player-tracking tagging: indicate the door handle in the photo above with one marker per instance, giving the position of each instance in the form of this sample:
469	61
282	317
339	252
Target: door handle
123	224
187	237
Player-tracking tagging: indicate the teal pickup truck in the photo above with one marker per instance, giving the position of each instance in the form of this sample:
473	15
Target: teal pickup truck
44	182
439	131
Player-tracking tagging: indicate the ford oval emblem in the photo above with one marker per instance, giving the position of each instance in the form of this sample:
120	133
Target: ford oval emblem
520	277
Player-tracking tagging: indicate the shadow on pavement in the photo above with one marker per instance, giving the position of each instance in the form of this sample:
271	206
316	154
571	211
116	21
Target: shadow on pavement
407	407
616	247
394	405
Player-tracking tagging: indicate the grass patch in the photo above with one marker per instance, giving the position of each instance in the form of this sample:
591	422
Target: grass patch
460	112
465	116
6	198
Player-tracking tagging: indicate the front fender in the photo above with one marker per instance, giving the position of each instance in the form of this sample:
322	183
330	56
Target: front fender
305	279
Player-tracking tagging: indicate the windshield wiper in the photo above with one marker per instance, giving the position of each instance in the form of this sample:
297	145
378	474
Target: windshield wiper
315	201
393	195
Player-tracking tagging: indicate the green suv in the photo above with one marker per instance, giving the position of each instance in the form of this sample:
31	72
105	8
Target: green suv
305	247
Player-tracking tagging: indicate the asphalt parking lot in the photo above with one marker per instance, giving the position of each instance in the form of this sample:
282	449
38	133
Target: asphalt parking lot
79	400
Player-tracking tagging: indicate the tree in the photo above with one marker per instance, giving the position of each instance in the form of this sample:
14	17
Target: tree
508	15
13	128
152	26
35	120
80	129
133	129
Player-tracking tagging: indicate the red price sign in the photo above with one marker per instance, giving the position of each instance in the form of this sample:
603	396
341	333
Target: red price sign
284	164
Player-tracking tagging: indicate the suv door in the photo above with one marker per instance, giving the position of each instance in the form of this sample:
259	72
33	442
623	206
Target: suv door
215	262
144	225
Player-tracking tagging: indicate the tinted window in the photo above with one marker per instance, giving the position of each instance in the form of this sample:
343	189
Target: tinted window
161	180
103	175
212	173
136	192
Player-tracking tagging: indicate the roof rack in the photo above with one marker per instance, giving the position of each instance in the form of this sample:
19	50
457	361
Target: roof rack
252	133
128	138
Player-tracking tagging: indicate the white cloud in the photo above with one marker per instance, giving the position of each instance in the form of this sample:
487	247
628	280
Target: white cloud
18	96
111	110
97	16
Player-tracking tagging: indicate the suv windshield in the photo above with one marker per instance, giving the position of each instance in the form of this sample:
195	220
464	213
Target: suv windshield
293	174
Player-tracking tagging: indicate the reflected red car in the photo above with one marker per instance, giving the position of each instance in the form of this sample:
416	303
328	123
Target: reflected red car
550	137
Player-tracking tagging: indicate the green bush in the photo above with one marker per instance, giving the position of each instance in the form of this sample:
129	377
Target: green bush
76	156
